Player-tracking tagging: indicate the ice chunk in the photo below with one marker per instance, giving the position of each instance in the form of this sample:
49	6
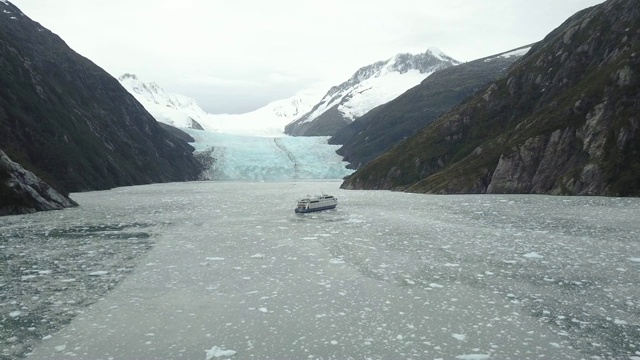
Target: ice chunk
473	357
98	273
533	255
217	352
460	337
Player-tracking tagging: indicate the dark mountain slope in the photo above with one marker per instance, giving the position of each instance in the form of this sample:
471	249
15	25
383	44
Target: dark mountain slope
71	123
382	128
564	120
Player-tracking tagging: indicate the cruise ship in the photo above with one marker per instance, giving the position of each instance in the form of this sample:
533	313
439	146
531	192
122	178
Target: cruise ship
316	203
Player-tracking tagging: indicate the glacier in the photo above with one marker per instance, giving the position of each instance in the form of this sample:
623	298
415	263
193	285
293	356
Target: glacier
267	158
244	147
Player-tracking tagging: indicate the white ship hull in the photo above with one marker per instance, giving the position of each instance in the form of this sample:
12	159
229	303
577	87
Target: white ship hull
316	203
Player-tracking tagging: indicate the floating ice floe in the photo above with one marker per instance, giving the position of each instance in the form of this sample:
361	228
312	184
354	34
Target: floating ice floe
533	255
98	273
217	352
473	357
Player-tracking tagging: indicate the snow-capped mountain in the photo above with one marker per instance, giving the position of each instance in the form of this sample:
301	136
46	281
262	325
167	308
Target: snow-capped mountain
173	109
369	87
268	120
183	112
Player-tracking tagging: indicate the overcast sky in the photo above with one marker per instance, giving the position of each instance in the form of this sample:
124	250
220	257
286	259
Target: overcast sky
234	56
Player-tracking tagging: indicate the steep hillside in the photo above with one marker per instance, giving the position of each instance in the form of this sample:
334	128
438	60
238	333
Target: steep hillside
369	87
564	120
384	127
65	119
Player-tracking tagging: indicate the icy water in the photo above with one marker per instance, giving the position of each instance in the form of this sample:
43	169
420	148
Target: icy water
227	270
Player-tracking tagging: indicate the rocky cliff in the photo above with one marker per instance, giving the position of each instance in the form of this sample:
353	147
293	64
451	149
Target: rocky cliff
385	126
68	121
563	120
23	192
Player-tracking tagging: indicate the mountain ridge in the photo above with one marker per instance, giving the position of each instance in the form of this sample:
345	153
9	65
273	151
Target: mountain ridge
181	111
563	120
73	125
385	126
368	87
172	109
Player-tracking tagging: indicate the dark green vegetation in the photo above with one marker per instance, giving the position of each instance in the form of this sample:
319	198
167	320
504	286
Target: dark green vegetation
563	120
384	127
73	125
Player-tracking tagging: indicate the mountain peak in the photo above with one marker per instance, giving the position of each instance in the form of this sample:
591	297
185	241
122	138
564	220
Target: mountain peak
172	109
369	87
562	120
128	76
434	51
